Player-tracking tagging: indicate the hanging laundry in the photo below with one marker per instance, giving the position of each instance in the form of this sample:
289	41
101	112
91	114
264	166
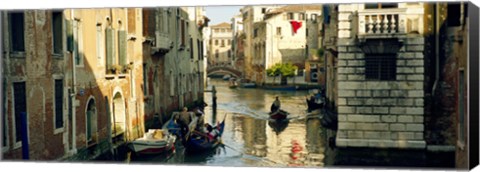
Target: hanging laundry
295	25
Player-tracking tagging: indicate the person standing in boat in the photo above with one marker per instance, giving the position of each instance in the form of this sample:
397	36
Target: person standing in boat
184	120
275	105
201	118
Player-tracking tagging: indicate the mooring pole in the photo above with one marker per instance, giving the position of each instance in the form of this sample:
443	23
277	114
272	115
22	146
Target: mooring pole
214	106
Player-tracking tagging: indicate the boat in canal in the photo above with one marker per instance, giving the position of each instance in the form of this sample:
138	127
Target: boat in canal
155	141
226	77
199	141
316	101
232	83
278	125
248	85
278	115
281	87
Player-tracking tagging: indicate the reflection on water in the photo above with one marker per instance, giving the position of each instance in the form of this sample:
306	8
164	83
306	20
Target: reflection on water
250	139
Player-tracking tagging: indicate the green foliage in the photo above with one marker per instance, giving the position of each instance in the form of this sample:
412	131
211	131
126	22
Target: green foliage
284	69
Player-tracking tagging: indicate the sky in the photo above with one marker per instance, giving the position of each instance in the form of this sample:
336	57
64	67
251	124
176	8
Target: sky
219	14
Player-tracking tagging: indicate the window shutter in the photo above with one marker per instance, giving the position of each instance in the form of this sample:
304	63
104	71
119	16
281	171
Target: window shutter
69	35
191	48
122	47
109	46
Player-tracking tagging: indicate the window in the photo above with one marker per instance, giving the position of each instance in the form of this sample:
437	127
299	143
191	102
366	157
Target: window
279	31
264	10
290	16
216	41
20	106
301	16
380	66
461	107
161	25
78	44
380	5
217	30
169	14
255	32
4	110
110	53
145	79
182	32
229	53
200	49
191	48
314	17
216	54
229	42
17	32
100	50
223	43
453	14
172	84
122	47
57	32
306	32
58	103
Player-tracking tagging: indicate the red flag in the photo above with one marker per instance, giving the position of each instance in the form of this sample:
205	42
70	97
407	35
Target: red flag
295	25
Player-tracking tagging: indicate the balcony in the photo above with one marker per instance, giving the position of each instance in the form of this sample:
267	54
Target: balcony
385	23
163	44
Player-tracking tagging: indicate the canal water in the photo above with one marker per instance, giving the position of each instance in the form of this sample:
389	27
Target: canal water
251	139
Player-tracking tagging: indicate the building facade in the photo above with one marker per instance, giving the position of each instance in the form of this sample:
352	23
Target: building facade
237	43
221	45
172	53
381	75
329	32
250	16
85	76
81	82
287	35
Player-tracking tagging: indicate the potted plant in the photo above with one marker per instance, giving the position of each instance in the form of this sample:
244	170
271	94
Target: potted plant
127	67
115	69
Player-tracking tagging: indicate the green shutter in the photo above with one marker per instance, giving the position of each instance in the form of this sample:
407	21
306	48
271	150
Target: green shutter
122	47
70	35
109	46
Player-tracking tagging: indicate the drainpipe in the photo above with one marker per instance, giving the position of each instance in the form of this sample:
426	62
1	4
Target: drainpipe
437	46
73	93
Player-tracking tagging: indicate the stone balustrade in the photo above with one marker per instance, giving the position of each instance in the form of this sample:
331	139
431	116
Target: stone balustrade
382	21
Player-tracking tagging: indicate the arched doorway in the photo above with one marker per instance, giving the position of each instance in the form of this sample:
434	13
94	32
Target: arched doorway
118	117
91	120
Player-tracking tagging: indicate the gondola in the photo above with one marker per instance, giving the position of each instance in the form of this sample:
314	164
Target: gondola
278	125
313	104
316	101
278	115
200	142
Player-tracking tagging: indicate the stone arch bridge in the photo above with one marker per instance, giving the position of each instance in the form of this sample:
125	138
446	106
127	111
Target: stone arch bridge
223	70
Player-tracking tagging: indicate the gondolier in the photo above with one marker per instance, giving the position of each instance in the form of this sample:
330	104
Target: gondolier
185	119
275	105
